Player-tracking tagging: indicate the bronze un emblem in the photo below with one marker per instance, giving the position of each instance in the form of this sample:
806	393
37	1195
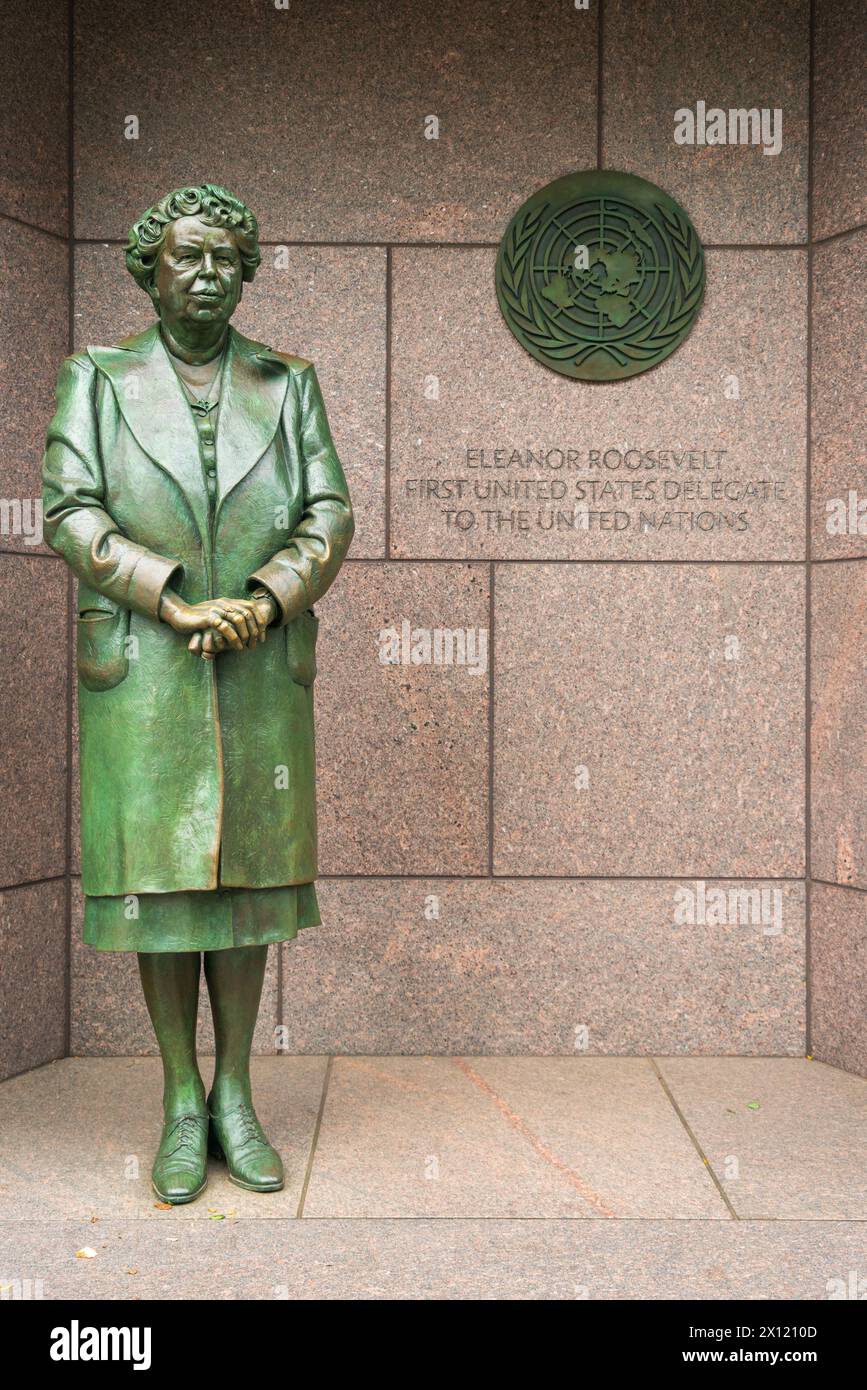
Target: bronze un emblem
600	275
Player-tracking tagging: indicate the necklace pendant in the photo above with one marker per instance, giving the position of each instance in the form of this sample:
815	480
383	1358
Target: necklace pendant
204	407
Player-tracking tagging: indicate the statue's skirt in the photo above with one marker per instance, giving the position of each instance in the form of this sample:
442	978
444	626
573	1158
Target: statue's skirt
213	920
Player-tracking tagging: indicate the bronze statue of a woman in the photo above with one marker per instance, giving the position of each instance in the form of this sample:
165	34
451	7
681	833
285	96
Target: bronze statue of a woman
191	483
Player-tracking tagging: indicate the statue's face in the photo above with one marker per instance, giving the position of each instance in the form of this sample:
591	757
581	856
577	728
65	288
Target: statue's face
198	276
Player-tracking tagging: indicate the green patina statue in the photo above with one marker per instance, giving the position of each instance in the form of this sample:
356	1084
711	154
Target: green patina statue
191	483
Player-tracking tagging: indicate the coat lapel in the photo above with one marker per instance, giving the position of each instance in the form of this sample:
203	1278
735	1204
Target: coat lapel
251	401
151	400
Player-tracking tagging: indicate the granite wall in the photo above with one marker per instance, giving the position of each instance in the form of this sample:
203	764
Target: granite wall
507	843
35	692
838	646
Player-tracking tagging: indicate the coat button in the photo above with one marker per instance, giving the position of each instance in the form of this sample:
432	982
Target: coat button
211	472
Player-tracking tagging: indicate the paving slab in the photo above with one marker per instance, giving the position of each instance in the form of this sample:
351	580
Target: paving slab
433	1259
79	1138
582	1137
787	1137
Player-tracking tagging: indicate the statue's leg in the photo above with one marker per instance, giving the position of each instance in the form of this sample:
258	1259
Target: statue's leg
170	980
235	979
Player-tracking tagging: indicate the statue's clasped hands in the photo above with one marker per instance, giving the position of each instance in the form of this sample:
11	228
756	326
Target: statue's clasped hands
219	623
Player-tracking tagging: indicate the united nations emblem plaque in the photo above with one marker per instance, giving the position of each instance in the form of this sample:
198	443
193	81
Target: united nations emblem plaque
600	275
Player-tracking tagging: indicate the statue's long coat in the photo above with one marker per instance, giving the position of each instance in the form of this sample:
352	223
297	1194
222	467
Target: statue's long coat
194	774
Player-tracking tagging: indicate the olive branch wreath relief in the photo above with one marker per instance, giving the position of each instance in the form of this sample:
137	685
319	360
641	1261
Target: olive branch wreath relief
654	337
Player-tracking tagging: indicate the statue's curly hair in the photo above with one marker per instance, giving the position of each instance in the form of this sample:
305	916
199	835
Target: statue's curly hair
207	201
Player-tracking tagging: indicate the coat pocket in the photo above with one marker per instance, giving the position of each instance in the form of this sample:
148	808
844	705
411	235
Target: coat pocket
101	650
301	636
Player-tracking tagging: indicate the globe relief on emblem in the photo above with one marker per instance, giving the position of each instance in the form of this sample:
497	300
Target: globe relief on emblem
600	275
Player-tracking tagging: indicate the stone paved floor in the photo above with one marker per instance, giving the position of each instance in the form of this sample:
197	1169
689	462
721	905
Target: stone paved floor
452	1177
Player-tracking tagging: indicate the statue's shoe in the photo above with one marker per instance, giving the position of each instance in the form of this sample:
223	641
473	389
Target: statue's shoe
237	1136
180	1168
